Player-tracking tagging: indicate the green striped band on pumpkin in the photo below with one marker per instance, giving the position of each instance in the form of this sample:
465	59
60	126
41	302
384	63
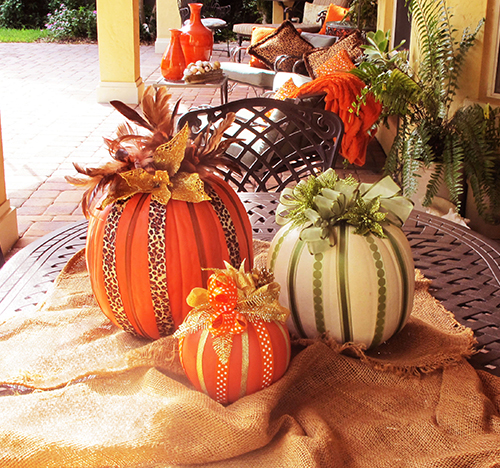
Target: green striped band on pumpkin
319	310
343	283
109	267
277	248
291	283
406	277
158	269
382	291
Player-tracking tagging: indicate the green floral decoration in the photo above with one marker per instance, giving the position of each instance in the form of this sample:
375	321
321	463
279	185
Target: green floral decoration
320	202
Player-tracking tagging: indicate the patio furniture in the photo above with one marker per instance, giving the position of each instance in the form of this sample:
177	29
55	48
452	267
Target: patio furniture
282	142
265	78
221	84
313	16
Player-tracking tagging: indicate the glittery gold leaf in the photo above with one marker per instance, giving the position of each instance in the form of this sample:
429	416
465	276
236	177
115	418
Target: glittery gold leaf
141	181
222	346
169	156
188	187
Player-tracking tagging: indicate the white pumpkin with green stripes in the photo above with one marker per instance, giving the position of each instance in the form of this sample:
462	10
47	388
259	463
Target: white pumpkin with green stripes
360	290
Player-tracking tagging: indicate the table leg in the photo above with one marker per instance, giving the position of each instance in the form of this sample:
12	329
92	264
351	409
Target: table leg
224	93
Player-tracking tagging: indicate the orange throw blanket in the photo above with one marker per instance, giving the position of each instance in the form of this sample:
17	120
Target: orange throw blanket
341	91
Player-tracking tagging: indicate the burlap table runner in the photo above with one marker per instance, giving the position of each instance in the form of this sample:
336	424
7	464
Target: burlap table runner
81	393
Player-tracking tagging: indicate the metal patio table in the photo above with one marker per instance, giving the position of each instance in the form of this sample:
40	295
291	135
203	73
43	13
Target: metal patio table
464	268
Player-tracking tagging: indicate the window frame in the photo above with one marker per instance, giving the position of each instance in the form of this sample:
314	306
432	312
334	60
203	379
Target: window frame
492	56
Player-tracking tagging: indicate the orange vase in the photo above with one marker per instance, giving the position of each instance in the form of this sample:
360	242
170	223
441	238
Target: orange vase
197	40
173	62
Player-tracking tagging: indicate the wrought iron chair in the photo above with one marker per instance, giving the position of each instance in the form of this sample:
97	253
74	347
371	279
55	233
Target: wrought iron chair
282	142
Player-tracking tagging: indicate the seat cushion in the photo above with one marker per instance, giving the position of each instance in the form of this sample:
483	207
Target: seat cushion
282	77
311	12
245	29
286	40
214	23
319	40
244	73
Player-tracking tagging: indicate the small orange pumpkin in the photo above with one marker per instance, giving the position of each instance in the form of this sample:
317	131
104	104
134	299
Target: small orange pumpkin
228	347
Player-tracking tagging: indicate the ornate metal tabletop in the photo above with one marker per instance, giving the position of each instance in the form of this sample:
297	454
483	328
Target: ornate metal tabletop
464	268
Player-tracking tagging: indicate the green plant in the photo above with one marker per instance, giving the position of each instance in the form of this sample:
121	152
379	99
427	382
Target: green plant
460	144
20	14
66	23
363	13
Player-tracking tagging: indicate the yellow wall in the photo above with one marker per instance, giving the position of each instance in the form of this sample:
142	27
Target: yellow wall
467	15
8	217
167	17
476	68
119	51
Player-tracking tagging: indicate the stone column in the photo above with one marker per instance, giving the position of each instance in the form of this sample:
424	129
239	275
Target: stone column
8	217
167	17
119	51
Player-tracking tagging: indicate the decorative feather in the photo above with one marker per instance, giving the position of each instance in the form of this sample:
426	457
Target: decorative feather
134	148
131	114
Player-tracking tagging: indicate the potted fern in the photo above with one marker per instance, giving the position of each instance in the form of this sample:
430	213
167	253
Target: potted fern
462	144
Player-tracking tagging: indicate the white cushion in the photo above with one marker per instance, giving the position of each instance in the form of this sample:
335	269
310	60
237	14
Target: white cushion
311	12
282	77
244	73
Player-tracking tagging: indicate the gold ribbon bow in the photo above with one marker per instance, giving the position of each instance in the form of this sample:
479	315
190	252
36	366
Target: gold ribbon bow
253	304
166	182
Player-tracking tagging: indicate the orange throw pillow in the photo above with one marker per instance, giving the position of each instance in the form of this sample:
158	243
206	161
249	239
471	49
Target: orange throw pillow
286	90
259	33
335	13
339	62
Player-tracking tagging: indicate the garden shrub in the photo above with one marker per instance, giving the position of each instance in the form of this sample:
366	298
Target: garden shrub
66	23
23	14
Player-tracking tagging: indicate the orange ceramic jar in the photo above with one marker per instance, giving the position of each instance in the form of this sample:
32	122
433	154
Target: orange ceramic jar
196	39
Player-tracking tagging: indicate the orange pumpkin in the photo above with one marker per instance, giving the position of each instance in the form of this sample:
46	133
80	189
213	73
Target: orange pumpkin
144	257
226	347
259	357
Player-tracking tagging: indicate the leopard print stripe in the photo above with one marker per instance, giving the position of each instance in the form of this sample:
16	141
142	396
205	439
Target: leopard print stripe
226	222
109	267
158	268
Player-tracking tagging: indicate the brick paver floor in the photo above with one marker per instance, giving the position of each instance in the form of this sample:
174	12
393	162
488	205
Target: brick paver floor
50	119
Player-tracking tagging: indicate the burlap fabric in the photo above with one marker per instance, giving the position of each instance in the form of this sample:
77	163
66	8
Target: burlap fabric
78	392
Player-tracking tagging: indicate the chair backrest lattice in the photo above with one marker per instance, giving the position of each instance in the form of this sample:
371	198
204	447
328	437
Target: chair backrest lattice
281	142
213	9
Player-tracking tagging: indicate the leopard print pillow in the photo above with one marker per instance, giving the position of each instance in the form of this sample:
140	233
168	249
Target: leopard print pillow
317	57
286	40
